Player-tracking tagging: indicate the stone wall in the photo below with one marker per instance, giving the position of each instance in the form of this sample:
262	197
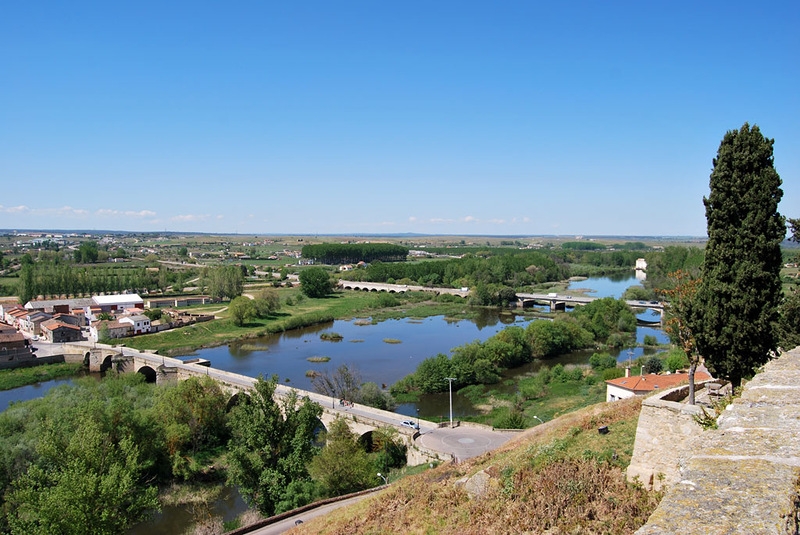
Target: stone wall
743	477
664	437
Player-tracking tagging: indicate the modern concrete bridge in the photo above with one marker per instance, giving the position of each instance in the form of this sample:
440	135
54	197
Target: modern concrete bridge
361	419
560	302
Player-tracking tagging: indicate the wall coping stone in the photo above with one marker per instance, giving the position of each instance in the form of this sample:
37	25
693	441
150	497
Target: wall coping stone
744	477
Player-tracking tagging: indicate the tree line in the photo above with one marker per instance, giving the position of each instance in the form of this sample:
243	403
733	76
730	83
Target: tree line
605	321
351	253
53	280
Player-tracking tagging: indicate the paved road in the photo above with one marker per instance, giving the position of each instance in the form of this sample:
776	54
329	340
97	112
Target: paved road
463	442
285	525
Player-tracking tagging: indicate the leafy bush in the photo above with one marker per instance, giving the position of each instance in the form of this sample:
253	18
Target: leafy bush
653	365
602	361
676	360
511	420
612	373
387	300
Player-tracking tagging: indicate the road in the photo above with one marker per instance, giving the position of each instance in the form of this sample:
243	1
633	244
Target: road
464	442
288	523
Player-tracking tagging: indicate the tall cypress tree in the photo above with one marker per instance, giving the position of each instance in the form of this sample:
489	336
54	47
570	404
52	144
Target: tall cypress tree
740	290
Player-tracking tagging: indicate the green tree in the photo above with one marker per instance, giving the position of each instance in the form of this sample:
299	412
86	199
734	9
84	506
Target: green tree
740	291
315	282
682	297
789	324
192	414
371	394
27	285
271	444
224	282
83	482
653	365
342	466
241	310
154	313
676	360
388	449
267	302
86	253
602	361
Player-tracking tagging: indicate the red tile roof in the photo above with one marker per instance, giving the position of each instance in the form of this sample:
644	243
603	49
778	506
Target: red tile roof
52	325
651	381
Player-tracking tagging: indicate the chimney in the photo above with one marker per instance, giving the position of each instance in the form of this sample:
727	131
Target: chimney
627	372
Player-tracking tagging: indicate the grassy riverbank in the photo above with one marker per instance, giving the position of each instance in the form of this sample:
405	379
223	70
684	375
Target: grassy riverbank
28	376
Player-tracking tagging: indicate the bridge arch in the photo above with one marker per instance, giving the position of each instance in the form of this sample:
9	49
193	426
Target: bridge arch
234	400
149	373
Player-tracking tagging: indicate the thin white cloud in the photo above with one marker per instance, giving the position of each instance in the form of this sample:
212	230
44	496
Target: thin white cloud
470	219
64	211
440	220
412	219
190	218
107	212
70	211
14	209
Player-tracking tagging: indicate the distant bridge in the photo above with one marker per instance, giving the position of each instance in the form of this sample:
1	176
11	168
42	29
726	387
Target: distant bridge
560	302
555	301
159	369
400	288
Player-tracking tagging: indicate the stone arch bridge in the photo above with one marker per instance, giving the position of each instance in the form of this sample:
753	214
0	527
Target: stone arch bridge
400	288
159	369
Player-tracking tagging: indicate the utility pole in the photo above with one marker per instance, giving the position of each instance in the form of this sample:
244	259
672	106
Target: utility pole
451	379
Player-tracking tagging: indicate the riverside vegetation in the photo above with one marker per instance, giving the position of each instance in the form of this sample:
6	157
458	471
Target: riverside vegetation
90	457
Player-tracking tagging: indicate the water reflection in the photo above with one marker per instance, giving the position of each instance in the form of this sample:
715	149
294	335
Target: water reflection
611	286
176	518
25	393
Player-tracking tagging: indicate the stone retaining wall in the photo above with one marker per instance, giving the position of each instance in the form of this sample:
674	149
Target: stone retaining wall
743	477
664	437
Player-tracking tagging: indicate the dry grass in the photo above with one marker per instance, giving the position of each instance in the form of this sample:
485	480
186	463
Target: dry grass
559	477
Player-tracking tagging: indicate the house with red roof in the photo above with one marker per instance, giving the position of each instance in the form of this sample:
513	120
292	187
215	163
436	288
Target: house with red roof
56	331
641	385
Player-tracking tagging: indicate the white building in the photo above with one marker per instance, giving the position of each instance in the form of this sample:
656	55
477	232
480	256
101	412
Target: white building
140	323
110	303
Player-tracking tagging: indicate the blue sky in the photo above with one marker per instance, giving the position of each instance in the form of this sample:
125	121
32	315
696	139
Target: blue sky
502	118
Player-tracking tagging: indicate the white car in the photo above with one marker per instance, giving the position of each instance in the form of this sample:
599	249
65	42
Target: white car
409	423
